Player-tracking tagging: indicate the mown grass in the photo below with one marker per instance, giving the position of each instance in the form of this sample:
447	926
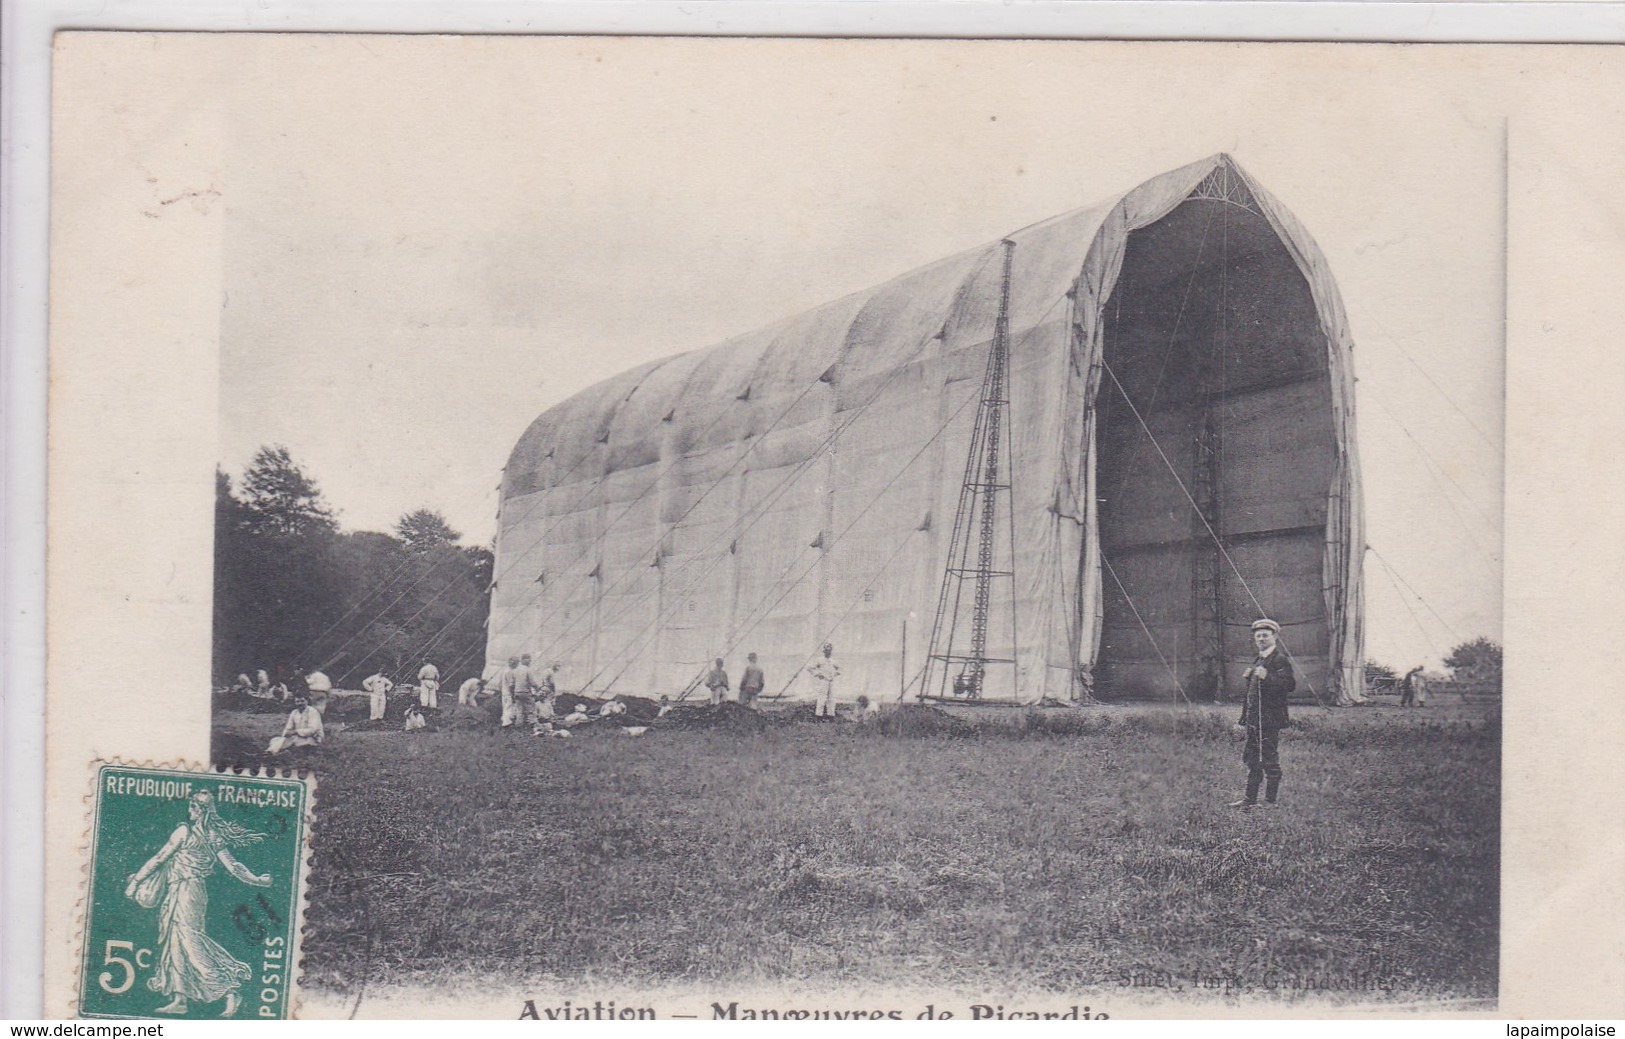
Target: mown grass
1075	851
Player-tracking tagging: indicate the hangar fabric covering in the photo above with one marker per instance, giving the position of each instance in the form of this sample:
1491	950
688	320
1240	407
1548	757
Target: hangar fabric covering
1181	401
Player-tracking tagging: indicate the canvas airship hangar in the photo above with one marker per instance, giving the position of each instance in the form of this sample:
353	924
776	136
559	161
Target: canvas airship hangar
1174	456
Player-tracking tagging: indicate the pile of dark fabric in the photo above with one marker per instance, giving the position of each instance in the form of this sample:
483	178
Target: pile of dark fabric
922	720
724	717
470	717
640	710
569	703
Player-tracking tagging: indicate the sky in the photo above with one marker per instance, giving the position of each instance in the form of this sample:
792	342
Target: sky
430	241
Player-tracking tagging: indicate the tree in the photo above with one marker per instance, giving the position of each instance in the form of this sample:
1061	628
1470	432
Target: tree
229	622
1476	661
276	590
402	607
425	530
292	590
279	498
484	563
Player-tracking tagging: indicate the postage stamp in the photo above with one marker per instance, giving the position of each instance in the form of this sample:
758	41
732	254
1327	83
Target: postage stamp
194	891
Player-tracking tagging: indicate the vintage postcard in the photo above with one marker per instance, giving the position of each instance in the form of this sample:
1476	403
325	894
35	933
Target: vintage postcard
759	529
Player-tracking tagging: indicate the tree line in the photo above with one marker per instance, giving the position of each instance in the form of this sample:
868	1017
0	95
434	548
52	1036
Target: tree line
294	592
1476	660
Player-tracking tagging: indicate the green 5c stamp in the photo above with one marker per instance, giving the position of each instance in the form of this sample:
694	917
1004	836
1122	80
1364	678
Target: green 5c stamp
193	901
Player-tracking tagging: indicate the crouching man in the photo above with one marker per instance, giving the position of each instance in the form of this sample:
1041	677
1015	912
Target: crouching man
303	728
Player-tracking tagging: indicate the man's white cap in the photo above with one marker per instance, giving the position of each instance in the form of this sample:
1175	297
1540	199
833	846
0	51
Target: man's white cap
1265	622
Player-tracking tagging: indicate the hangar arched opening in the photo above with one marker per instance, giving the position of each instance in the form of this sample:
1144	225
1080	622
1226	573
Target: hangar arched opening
1216	450
797	485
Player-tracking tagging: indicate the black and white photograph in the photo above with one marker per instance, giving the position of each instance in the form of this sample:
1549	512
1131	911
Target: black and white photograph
760	529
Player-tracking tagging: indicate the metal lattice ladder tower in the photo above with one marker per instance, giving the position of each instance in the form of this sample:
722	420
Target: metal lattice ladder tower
985	483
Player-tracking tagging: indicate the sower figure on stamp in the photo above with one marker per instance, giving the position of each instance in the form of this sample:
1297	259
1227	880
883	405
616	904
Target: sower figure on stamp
1264	715
190	965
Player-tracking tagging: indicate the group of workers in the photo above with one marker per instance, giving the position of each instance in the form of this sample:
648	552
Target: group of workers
304	727
528	702
378	687
823	671
527	696
284	687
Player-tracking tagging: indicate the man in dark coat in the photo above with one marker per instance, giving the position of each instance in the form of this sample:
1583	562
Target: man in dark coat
1407	687
1263	716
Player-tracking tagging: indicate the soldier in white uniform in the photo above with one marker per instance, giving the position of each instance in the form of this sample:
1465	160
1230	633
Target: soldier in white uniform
377	687
429	686
507	683
825	672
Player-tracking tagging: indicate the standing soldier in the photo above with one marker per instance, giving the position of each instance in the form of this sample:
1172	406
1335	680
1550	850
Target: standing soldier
752	682
717	682
524	692
429	686
377	688
547	689
1269	679
506	685
825	672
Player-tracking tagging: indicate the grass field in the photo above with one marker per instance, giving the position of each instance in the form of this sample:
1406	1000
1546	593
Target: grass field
1077	851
